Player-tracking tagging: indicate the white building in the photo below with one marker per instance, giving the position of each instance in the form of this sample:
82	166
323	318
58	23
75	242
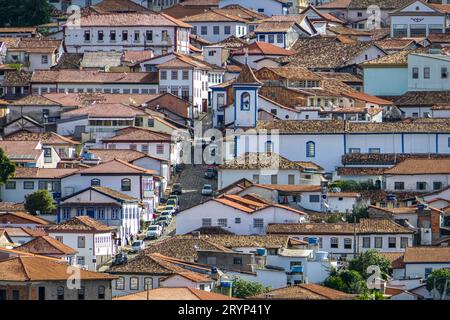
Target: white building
267	7
240	215
418	175
110	207
72	81
417	19
30	153
347	239
428	72
128	31
90	238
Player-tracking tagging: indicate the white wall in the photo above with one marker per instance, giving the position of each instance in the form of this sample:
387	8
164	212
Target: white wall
411	180
435	82
268	7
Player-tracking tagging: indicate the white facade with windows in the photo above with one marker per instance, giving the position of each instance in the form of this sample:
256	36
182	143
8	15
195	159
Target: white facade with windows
218	31
416	182
267	7
428	72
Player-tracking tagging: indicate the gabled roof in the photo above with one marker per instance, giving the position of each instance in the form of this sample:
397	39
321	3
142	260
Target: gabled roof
325	16
46	245
214	15
172	293
24	216
92	76
48	138
420	166
21	151
262	48
33	268
427	255
116	166
122	154
80	224
117	6
103	110
282	23
247	76
139	134
43	173
261	160
305	291
116	195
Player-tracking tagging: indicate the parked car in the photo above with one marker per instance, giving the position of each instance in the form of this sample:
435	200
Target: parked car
179	167
137	246
172	202
120	258
166	214
177	189
154	232
164	220
207	190
170	208
210	173
174	197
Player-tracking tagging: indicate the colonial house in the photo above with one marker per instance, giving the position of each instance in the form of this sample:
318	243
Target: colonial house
284	30
347	239
23	123
30	154
22	235
29	180
92	239
133	181
240	215
128	31
153	270
267	7
422	175
417	19
175	294
49	247
321	20
428	71
257	51
35	54
423	104
216	25
268	168
42	278
110	207
70	81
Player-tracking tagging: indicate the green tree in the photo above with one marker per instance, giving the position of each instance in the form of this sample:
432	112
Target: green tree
243	288
39	201
7	168
334	218
368	295
439	282
358	213
24	13
349	281
369	258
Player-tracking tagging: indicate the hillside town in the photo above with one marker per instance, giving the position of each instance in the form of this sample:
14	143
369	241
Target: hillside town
225	150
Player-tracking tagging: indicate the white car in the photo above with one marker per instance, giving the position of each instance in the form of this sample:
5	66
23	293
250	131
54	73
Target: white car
207	190
170	208
154	231
137	246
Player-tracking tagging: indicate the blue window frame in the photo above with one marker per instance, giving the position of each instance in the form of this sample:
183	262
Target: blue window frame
245	101
310	149
114	214
80	212
66	213
448	142
101	213
269	146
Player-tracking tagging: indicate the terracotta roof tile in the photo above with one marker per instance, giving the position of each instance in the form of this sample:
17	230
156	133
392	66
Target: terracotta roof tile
263	48
138	134
127	155
305	291
175	294
427	255
420	166
214	15
48	138
43	173
46	245
92	76
80	224
26	216
116	166
360	171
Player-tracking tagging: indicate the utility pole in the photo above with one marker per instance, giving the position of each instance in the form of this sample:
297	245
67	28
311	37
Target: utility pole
354	236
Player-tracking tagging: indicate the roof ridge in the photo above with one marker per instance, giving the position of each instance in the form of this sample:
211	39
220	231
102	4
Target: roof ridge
25	271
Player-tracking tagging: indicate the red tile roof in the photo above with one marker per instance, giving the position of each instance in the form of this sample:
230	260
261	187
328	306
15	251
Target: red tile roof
116	166
25	216
138	134
92	76
80	224
182	293
263	48
420	166
46	245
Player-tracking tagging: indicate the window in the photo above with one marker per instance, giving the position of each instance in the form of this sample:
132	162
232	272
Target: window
204	30
136	36
148	283
421	185
428	271
206	222
133	147
163	75
403	242
134	283
215	29
185	75
258	223
359	14
334	243
374	150
95	182
15	295
415	73
112	35
271	38
60	293
255	178
347	243
227	30
2	295
426	73
101	293
174	75
44	59
269	146
366	242
262	38
437	185
260	10
310	149
418	30
29	185
81	293
87	36
149	35
354	150
237	261
10	185
66	213
280	38
314	198
222	222
245	101
378	242
81	241
80	212
392	242
59	238
274	179
101	213
126	184
399	185
159	149
120	283
444	73
100	36
237	220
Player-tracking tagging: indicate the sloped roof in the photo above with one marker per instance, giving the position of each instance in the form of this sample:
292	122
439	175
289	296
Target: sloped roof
263	48
305	291
122	154
116	166
45	137
46	245
214	15
182	293
92	76
104	110
80	224
259	160
117	6
247	76
139	134
420	166
43	173
427	255
25	216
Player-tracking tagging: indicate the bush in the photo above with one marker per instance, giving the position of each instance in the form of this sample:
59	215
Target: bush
243	288
40	201
349	281
358	213
439	281
369	258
